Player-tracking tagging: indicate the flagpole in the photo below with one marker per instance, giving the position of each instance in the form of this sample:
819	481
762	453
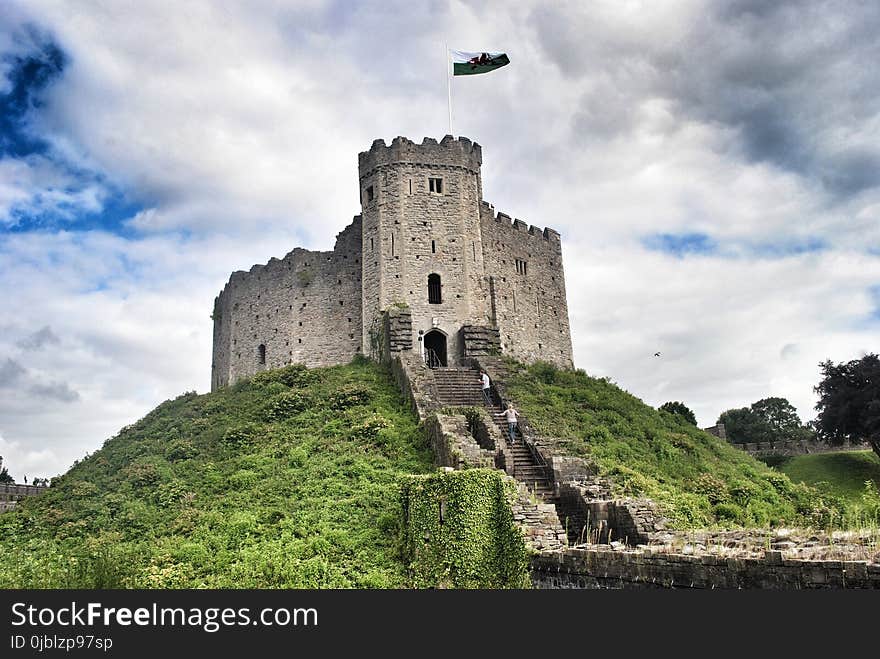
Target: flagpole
448	84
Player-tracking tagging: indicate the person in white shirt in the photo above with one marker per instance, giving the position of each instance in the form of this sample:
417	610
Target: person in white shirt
487	392
511	415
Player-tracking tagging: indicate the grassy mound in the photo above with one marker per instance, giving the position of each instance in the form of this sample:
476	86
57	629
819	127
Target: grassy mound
698	480
851	475
291	479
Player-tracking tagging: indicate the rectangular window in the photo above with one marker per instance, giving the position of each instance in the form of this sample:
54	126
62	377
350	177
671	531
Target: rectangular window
370	194
435	185
522	267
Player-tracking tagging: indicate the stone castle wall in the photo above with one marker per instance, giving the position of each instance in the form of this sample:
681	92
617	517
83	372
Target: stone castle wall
304	308
322	308
529	307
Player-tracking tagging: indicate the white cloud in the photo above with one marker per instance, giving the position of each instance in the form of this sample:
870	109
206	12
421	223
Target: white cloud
236	131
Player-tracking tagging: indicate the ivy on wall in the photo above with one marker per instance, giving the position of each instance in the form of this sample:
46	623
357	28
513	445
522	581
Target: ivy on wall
458	531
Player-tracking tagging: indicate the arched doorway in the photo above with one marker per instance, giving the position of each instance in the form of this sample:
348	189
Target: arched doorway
435	349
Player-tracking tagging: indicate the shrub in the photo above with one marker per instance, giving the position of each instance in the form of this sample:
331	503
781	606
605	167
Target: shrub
243	434
349	396
141	474
370	427
180	449
714	489
286	405
545	372
728	512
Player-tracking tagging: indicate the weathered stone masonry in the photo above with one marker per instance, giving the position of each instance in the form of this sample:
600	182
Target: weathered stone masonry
303	309
10	495
426	241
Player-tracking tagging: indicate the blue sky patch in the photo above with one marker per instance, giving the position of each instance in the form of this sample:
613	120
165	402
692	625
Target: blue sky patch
680	244
86	200
28	77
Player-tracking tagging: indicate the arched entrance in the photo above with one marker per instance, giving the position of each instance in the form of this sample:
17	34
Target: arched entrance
435	349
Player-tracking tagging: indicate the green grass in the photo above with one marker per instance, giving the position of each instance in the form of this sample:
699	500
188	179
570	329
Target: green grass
844	473
289	480
698	480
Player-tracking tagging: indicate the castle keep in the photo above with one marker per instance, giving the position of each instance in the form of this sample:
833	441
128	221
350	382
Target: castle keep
427	267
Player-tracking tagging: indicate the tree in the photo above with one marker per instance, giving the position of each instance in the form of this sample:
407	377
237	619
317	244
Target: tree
767	420
4	473
743	426
682	410
849	402
782	418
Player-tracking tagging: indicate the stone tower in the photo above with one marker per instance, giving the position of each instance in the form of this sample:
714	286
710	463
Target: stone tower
456	278
422	241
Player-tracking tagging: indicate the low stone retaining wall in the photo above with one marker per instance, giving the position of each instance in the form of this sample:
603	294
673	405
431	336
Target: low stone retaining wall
606	568
796	447
10	495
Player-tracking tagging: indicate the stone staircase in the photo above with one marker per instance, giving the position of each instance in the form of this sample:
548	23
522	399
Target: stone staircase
460	387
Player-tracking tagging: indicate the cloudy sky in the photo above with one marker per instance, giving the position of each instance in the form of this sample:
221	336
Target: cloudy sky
714	168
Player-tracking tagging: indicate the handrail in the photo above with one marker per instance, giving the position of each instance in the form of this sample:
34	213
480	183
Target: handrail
432	359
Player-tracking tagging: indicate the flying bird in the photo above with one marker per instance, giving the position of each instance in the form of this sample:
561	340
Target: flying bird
656	354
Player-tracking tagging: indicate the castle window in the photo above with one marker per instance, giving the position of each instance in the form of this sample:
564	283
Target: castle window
433	247
435	185
410	186
434	294
522	267
371	244
392	244
370	194
261	353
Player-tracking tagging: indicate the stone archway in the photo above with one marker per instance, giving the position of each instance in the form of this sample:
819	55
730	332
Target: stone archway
435	349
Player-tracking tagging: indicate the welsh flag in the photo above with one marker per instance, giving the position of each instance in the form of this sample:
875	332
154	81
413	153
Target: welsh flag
466	64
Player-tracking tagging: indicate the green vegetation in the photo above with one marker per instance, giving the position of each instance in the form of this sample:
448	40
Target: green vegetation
698	480
850	475
459	531
291	479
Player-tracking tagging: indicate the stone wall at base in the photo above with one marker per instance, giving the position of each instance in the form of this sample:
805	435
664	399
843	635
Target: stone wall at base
604	567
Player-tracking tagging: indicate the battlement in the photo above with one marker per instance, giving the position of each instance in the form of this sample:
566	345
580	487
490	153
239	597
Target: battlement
450	152
518	225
